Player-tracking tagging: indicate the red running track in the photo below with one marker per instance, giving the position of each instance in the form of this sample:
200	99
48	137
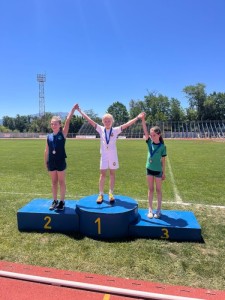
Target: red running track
16	289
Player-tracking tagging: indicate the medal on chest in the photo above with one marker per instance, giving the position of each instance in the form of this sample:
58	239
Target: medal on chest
107	137
153	151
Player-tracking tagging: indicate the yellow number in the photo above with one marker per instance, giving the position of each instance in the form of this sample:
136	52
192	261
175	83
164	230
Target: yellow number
106	297
165	233
48	221
98	220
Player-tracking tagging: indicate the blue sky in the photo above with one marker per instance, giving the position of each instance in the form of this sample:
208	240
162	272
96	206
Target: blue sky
96	52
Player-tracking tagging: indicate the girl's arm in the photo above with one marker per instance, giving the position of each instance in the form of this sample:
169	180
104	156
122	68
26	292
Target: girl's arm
87	118
68	119
131	122
144	127
163	168
46	155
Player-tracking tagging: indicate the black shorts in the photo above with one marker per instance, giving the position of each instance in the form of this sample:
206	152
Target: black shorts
57	165
154	173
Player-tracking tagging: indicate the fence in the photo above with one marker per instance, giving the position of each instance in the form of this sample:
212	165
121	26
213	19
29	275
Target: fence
194	129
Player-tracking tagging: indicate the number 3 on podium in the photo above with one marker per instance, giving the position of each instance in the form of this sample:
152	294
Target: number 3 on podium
165	234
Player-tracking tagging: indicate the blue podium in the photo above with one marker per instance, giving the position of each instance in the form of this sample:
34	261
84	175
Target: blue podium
36	216
119	220
106	220
172	225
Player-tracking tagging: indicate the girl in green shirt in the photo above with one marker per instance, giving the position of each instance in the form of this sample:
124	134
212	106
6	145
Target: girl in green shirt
155	166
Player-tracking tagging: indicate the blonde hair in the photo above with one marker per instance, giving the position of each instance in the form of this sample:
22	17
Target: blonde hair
107	116
57	119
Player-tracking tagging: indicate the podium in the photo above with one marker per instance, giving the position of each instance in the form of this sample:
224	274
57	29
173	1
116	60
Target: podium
106	220
119	220
36	216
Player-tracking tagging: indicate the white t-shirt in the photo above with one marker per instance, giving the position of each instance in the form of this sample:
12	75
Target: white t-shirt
108	150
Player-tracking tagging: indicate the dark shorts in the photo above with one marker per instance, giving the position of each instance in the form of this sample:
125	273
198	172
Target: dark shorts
56	166
157	174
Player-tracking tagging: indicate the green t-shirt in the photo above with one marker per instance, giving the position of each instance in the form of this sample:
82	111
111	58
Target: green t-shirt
155	154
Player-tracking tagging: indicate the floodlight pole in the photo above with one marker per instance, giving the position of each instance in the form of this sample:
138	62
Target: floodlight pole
41	78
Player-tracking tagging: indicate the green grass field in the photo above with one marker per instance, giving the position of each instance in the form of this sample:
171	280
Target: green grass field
195	182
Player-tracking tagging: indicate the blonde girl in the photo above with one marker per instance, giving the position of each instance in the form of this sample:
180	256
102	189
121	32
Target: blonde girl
108	150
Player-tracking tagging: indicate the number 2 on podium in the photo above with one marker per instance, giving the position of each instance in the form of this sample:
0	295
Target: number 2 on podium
98	221
47	224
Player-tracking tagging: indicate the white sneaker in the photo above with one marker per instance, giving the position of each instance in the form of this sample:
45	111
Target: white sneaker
150	215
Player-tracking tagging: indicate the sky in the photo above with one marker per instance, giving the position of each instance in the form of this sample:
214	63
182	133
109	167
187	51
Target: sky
97	52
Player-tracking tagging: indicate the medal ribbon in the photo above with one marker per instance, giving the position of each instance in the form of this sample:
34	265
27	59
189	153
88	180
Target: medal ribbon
106	137
153	151
53	141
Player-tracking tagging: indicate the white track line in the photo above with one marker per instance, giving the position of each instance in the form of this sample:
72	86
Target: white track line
178	199
77	197
93	287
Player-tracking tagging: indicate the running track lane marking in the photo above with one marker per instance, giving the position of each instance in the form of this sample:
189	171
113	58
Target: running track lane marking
139	200
175	190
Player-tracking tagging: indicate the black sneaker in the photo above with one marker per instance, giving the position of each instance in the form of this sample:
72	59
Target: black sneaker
60	205
53	205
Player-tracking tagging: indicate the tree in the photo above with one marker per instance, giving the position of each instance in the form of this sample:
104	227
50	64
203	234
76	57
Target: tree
176	111
215	106
157	107
196	96
9	123
75	124
136	107
4	129
93	115
191	114
119	112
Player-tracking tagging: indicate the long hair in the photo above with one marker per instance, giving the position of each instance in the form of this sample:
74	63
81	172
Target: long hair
157	130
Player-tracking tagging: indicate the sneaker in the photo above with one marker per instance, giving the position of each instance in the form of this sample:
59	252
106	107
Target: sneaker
60	205
150	215
157	215
53	205
99	199
111	198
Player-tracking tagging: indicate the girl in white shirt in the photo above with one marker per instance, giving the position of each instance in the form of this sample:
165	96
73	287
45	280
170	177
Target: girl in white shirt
108	150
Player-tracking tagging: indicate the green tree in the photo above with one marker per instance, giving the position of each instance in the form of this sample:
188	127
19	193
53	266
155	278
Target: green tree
4	129
215	106
136	107
157	107
119	112
22	123
177	113
93	115
9	123
191	114
75	124
196	97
